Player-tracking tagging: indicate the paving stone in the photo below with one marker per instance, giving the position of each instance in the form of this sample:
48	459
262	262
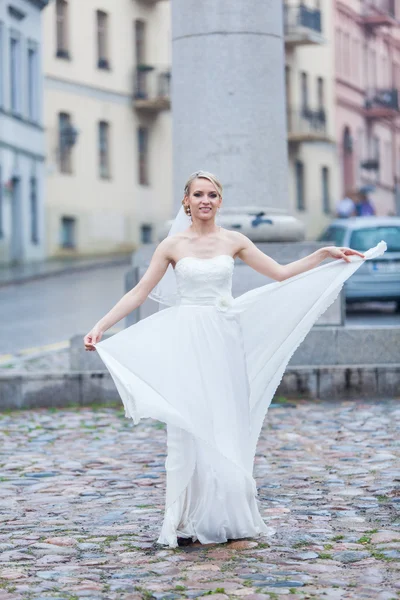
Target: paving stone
12	574
305	555
391	553
349	556
242	545
61	541
385	536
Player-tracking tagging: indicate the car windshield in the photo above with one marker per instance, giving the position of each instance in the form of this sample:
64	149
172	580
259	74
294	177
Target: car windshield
333	234
362	239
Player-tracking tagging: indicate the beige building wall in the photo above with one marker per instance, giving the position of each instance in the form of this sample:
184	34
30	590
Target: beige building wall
311	139
108	213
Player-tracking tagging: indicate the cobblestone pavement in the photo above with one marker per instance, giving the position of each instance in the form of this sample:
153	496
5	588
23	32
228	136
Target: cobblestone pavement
82	494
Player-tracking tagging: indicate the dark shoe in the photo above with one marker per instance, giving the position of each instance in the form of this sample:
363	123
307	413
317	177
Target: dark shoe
184	541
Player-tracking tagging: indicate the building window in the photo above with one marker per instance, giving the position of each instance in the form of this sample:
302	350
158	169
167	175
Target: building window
140	51
338	53
348	160
299	170
325	190
104	150
32	84
65	146
372	69
68	232
386	71
146	234
398	165
1	63
376	153
304	92
102	40
321	93
143	144
140	42
15	74
34	212
396	75
356	60
1	204
346	54
387	161
62	28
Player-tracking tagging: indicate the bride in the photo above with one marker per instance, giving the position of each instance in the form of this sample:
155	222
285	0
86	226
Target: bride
208	365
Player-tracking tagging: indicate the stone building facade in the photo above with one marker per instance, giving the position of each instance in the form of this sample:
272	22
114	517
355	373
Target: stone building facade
22	143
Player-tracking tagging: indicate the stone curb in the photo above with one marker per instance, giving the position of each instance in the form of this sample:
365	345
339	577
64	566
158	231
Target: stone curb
25	390
17	280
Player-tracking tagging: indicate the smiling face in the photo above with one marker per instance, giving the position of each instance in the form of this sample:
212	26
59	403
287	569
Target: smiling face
203	199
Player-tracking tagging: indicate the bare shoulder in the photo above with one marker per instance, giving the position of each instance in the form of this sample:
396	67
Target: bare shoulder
237	239
167	247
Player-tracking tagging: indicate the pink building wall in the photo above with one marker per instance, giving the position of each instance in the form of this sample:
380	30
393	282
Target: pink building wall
367	64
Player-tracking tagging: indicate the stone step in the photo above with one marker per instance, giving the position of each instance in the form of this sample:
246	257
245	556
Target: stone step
60	389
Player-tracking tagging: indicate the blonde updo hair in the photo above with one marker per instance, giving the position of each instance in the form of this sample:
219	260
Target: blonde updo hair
200	175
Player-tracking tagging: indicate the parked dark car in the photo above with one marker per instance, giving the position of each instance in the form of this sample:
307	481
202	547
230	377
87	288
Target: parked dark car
376	279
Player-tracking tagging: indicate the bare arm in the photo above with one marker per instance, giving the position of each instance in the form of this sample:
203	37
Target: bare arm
134	298
266	265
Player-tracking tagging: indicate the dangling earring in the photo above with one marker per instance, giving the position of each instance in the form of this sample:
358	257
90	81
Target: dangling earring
187	210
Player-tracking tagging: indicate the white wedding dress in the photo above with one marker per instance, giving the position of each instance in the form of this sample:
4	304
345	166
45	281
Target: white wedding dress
208	367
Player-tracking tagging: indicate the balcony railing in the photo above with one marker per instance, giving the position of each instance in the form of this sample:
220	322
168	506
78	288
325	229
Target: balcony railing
382	104
370	164
152	88
302	25
380	13
307	125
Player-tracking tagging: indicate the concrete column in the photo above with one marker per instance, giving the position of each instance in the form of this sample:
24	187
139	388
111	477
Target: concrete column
228	99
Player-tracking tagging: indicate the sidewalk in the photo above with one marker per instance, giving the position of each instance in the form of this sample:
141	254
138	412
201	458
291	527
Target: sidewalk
52	267
83	494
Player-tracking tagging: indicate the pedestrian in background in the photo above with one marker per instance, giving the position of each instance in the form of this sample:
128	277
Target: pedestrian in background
364	206
347	206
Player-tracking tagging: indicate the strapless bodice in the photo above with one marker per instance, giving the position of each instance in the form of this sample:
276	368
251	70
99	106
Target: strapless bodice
205	281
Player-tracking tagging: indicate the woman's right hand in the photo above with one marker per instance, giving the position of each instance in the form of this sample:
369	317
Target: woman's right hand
92	338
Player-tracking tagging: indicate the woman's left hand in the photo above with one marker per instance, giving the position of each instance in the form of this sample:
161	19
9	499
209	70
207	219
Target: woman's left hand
92	338
341	252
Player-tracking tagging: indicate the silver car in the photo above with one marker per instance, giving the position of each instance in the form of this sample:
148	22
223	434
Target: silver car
377	279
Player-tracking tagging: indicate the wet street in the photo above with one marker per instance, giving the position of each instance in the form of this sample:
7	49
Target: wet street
52	310
82	498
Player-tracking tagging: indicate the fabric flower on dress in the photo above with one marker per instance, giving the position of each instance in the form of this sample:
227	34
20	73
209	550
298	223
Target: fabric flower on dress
224	302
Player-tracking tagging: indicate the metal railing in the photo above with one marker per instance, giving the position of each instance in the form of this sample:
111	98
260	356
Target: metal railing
382	6
152	83
301	17
307	122
382	98
370	164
